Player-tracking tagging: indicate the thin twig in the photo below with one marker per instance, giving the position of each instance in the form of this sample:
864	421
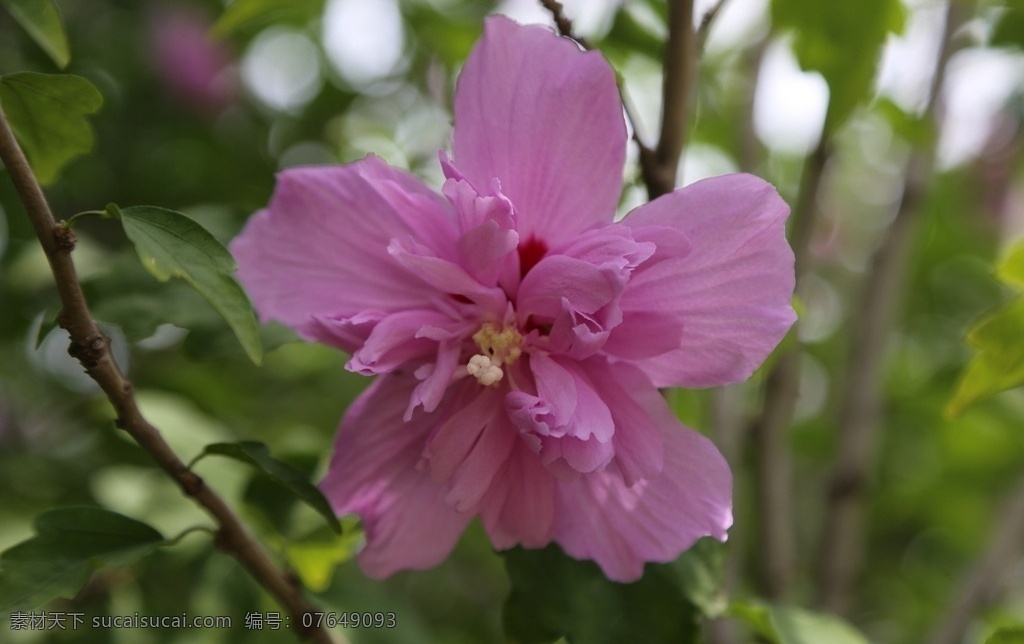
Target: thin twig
984	583
705	24
660	166
563	23
92	349
842	540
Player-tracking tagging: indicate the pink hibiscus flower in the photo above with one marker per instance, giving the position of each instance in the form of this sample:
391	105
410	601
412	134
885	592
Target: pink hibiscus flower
520	336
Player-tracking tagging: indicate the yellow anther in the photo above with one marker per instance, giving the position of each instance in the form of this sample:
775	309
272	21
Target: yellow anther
501	346
497	348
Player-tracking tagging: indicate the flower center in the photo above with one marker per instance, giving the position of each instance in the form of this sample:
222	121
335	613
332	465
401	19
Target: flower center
497	347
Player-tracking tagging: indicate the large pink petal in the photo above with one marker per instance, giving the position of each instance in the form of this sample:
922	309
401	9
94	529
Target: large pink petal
730	294
321	246
376	473
520	506
545	119
655	520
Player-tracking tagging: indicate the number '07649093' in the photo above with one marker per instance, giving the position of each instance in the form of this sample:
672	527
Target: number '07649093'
349	620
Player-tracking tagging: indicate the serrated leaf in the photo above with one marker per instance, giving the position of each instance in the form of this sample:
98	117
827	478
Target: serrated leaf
1011	269
825	34
69	544
47	113
791	625
999	363
42	21
554	595
169	244
246	13
1007	635
257	455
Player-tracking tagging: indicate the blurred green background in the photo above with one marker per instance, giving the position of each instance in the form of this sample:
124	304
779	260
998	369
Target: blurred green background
201	125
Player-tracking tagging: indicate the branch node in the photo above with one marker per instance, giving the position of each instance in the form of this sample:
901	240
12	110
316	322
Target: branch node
65	237
91	350
191	482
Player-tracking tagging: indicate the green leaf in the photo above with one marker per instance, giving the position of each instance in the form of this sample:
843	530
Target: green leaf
316	556
250	13
701	571
47	113
1011	269
1009	32
556	596
913	128
1007	635
447	34
169	244
630	34
257	455
41	19
999	363
825	34
791	625
800	626
69	543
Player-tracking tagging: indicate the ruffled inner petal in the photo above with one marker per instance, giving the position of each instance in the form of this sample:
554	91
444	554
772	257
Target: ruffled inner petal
574	290
488	232
637	410
564	421
446	276
396	340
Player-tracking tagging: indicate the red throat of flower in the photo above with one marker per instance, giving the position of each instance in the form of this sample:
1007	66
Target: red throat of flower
530	252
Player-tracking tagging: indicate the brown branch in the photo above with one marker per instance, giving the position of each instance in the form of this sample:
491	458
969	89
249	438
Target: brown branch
92	349
660	166
842	540
985	581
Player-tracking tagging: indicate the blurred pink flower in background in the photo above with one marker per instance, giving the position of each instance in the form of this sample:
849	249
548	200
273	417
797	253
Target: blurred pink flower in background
520	336
196	70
